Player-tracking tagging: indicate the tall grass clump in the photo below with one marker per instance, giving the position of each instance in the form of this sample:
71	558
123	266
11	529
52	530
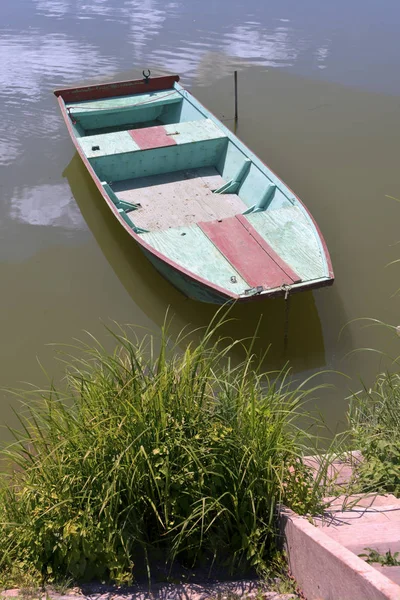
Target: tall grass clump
374	418
178	455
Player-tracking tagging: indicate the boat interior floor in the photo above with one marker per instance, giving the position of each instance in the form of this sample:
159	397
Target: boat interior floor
178	199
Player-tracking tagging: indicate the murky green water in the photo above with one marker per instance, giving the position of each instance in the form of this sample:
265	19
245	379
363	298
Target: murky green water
318	101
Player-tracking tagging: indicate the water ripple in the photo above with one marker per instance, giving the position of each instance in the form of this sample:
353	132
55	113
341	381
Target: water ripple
268	48
321	55
147	26
145	22
53	8
32	62
9	147
60	8
32	66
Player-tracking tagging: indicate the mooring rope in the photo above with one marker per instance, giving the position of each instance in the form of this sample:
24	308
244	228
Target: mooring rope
286	288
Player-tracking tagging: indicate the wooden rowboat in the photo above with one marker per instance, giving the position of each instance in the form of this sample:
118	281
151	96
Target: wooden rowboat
209	215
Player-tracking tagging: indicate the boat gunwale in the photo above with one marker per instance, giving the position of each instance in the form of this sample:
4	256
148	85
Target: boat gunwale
116	88
62	94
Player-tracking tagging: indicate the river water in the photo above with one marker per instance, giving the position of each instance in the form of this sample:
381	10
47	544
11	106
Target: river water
319	102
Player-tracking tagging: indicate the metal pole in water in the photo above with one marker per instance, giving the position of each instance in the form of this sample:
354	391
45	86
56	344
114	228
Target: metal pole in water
236	99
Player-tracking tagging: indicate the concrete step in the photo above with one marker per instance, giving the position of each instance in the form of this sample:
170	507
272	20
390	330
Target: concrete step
326	569
381	536
376	514
343	503
392	573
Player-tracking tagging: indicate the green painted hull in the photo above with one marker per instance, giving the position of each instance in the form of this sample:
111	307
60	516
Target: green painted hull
209	215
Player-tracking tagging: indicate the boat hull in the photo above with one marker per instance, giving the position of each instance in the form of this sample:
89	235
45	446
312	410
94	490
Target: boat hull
191	288
194	282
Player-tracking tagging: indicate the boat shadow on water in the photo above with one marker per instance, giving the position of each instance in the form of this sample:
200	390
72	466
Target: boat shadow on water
291	332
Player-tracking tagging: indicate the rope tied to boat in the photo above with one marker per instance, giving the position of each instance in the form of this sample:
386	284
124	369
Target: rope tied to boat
287	289
71	116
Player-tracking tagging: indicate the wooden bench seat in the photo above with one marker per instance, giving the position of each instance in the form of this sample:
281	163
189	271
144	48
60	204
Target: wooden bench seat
148	138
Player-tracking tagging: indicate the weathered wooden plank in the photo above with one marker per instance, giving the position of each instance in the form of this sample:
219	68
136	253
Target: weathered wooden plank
177	133
293	238
212	179
176	199
245	254
151	137
194	131
192	250
108	144
270	251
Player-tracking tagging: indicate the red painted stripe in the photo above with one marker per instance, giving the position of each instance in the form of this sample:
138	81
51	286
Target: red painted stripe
152	137
116	88
245	254
269	250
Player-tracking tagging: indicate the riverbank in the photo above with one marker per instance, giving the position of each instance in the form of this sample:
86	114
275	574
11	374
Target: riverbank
175	458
